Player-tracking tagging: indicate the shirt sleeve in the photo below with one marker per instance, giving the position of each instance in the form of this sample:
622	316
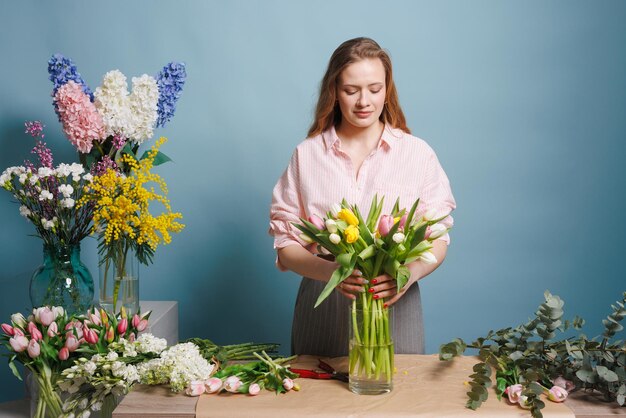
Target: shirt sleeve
437	195
286	208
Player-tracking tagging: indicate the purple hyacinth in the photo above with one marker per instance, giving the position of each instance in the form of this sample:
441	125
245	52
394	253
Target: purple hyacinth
62	70
170	82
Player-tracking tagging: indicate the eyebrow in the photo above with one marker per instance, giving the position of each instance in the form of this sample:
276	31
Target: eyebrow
369	85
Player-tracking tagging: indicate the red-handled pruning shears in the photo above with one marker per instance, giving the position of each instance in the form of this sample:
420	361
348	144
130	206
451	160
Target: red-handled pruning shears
327	373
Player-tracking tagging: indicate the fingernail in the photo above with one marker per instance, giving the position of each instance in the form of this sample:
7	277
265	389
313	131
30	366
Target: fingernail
364	281
358	272
362	289
385	305
371	290
375	296
374	281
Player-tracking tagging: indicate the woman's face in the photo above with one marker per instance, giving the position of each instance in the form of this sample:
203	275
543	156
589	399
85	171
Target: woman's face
361	92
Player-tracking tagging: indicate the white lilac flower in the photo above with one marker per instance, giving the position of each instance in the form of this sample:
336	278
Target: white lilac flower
4	178
45	195
22	179
147	343
66	190
34	179
88	177
178	365
143	105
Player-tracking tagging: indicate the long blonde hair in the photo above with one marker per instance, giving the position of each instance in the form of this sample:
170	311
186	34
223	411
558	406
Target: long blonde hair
327	112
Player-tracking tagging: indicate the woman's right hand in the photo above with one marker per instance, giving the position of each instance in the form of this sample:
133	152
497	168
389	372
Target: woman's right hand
352	285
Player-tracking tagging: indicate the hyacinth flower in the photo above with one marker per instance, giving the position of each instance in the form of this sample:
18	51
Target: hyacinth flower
170	82
62	70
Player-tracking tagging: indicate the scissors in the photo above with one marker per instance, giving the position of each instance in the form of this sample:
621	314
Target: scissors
328	372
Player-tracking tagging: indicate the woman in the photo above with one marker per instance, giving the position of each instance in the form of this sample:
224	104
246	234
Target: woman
358	146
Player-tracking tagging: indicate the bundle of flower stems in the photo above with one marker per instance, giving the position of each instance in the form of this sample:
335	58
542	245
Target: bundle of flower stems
225	353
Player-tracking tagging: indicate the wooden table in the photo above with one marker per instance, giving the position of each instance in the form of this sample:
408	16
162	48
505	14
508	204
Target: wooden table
424	387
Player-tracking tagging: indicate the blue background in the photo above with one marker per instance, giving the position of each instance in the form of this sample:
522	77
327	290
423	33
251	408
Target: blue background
524	103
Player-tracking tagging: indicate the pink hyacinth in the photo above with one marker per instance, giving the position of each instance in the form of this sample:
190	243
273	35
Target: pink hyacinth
81	121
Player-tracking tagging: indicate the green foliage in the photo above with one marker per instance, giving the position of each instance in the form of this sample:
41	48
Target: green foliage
223	354
530	355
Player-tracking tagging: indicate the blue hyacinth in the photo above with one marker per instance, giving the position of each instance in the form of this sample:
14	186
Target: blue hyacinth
170	82
62	70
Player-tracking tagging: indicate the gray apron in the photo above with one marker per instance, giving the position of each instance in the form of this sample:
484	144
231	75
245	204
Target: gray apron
323	331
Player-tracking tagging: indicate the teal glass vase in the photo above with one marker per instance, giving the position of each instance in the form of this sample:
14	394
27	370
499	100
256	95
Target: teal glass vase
62	280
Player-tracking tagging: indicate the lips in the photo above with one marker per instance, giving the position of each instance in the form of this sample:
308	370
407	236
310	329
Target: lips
362	115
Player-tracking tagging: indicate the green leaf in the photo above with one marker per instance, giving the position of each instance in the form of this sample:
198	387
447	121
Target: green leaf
402	276
16	372
368	252
338	276
159	158
606	374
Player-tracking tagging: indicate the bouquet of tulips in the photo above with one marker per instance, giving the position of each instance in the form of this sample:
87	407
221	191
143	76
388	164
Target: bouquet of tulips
374	245
50	341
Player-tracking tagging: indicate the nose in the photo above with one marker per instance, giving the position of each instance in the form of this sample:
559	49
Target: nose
364	99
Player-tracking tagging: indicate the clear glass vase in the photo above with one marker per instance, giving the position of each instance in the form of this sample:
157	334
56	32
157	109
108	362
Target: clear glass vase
62	280
119	281
45	400
371	352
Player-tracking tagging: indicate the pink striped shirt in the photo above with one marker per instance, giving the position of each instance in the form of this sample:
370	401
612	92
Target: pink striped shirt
320	174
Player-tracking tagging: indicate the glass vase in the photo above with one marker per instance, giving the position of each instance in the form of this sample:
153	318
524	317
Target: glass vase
119	281
45	401
62	280
371	347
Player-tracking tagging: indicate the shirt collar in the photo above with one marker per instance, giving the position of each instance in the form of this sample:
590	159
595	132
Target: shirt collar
388	137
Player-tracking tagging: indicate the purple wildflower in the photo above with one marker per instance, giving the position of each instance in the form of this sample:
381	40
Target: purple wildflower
103	165
44	154
34	128
118	141
170	82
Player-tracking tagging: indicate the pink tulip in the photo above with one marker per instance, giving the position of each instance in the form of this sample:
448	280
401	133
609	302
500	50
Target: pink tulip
8	330
213	384
135	321
318	222
287	383
75	328
45	316
568	385
131	337
91	336
196	388
557	394
427	233
254	389
402	221
95	319
64	354
514	393
34	332
53	330
385	224
71	342
104	317
143	324
232	384
17	332
33	349
18	343
122	326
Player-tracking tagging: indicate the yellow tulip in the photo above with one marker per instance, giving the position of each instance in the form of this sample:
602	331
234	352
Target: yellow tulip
348	216
351	233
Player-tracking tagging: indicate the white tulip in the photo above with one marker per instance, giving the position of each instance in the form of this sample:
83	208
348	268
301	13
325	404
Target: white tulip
306	238
430	214
334	238
437	230
428	258
398	237
331	226
334	209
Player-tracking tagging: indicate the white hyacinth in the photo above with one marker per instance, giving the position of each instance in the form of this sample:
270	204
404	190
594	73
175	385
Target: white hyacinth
143	106
113	104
